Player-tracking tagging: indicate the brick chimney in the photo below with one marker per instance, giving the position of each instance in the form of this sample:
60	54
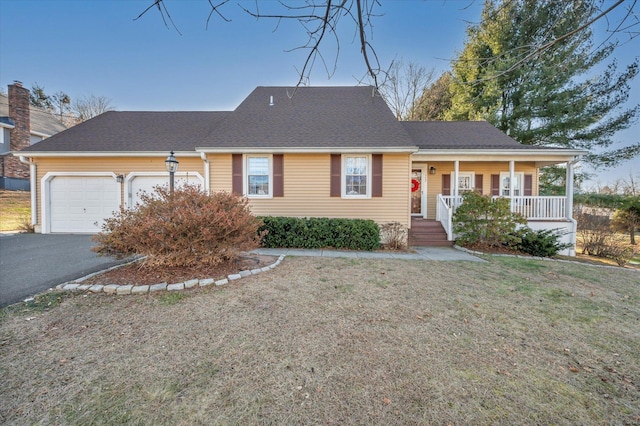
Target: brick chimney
19	112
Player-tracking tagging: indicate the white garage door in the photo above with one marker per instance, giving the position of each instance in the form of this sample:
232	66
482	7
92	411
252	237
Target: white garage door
80	204
147	184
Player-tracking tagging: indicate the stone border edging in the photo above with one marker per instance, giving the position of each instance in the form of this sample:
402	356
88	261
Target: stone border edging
118	289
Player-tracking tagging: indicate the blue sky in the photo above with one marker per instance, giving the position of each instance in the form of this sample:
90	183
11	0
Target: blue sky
95	47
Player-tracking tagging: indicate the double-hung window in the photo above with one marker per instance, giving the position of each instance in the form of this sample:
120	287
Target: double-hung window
466	182
259	179
357	176
505	184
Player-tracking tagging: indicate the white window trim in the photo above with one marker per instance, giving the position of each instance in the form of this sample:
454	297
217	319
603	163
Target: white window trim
343	177
245	175
519	178
472	180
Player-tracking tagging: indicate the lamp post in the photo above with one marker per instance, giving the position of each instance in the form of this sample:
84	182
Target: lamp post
172	166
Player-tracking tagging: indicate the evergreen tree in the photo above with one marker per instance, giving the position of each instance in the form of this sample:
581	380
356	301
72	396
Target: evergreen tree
544	96
435	100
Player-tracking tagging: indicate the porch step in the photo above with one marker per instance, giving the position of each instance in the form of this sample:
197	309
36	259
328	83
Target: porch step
428	233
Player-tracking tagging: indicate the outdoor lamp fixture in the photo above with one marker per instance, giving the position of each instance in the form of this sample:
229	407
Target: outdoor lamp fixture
172	166
432	170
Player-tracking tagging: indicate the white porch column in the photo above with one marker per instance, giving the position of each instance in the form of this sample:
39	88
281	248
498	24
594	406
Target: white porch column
454	181
512	176
569	190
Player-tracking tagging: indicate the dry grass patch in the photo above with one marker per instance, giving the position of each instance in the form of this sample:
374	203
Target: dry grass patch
338	341
15	210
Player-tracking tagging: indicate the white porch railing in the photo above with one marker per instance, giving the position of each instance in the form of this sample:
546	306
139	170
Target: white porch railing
444	214
532	208
540	208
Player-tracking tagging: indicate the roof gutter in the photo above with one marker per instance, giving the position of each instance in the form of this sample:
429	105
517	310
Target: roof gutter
310	150
32	185
86	154
505	151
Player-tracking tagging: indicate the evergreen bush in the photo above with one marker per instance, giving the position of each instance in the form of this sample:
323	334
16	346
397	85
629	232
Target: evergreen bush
485	221
319	232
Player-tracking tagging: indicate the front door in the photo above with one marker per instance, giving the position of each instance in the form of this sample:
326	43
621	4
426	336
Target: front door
416	193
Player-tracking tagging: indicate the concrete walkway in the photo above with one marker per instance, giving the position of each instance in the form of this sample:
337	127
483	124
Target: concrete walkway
418	253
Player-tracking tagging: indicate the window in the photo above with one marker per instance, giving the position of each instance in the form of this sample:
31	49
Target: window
5	138
465	181
517	184
258	177
357	176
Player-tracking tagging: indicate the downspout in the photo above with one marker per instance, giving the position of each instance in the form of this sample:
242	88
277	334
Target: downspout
32	184
207	185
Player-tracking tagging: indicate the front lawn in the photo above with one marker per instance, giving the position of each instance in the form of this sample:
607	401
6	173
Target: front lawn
337	341
15	210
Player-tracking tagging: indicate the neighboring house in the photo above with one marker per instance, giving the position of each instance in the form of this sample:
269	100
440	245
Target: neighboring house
21	125
310	151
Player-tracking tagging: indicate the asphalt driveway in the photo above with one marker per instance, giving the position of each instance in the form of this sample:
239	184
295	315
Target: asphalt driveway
33	263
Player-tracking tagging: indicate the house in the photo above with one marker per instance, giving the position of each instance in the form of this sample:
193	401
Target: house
21	125
308	151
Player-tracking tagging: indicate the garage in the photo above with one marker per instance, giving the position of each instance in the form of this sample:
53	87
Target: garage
79	204
138	182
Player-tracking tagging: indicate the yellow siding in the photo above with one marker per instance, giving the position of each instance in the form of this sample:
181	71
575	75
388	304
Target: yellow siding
119	166
434	182
220	169
307	191
306	183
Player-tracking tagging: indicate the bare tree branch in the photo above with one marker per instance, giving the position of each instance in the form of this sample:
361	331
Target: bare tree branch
320	17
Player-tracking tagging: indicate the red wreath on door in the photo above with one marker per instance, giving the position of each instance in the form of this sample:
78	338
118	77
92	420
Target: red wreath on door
415	185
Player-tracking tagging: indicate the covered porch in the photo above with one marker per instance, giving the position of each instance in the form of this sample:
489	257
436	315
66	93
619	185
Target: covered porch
441	183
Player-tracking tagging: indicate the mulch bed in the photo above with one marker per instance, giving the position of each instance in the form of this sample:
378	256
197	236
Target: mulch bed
140	274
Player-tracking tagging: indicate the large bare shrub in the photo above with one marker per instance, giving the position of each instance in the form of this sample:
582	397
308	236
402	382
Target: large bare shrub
595	232
186	228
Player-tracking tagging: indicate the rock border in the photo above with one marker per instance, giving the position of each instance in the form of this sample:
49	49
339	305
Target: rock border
117	289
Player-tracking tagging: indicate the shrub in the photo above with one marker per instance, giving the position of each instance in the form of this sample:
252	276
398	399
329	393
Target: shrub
394	236
618	251
542	243
482	220
320	232
595	233
186	228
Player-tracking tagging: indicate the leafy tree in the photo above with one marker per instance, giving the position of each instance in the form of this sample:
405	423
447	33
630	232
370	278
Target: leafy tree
552	97
57	104
61	102
39	98
435	100
553	180
627	219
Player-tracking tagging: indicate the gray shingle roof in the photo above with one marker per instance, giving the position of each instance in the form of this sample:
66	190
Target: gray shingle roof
314	117
41	120
459	135
135	131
